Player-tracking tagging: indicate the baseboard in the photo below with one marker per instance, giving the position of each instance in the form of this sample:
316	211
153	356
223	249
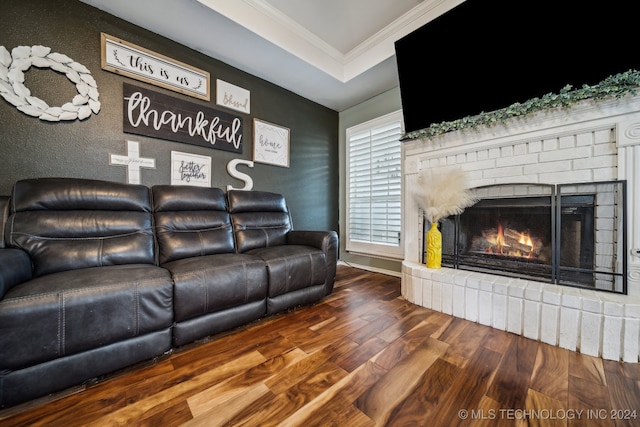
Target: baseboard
372	269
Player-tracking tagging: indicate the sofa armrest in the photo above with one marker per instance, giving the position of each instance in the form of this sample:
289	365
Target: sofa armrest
327	242
15	268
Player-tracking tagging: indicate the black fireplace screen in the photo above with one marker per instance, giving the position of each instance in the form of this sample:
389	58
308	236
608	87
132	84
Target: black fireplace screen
570	234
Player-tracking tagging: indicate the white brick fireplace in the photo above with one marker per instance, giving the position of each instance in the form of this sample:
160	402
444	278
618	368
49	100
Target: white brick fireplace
590	142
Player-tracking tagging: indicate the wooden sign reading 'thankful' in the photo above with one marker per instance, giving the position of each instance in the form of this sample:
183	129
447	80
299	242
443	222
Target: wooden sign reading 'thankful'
156	115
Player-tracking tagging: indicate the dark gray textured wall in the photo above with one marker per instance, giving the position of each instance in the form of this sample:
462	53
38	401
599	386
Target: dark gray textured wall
30	147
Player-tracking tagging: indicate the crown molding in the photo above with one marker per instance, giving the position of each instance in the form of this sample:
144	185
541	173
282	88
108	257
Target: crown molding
266	21
381	45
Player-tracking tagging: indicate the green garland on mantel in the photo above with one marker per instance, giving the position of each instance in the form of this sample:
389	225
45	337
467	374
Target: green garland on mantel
616	86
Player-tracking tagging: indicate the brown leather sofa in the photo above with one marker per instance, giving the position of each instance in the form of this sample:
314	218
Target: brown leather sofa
96	276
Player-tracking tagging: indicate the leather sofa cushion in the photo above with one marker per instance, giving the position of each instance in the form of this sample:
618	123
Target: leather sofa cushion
62	194
190	222
69	312
66	240
213	283
66	223
260	219
170	198
292	267
255	201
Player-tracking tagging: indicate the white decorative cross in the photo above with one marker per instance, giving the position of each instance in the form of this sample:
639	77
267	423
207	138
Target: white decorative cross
133	162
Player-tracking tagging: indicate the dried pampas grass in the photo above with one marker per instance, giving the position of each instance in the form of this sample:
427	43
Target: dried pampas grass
442	193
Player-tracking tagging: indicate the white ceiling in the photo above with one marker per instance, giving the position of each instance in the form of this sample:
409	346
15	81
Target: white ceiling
337	53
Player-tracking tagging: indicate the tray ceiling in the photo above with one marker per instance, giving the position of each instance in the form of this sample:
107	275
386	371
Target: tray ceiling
337	53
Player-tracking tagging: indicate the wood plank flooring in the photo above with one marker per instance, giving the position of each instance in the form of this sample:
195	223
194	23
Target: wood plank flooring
361	357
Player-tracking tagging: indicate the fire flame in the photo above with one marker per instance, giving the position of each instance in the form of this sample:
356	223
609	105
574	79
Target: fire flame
525	239
500	237
500	245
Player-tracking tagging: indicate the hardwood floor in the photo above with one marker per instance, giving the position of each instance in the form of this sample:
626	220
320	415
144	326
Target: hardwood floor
362	357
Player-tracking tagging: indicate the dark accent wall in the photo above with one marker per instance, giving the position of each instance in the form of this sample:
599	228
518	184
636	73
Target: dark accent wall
30	147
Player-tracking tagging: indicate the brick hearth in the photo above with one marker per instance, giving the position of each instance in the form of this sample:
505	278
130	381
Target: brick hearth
590	142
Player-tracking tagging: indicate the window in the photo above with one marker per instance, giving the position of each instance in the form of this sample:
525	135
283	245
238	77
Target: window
374	190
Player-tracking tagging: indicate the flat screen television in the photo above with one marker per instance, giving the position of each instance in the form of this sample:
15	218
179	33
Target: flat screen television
484	55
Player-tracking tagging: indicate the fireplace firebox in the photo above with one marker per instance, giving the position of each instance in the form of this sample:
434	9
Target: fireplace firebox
570	234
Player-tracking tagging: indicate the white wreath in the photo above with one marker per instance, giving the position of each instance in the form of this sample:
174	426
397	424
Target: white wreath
13	90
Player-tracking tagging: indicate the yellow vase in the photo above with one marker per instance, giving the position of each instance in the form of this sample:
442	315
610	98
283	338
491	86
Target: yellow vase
434	247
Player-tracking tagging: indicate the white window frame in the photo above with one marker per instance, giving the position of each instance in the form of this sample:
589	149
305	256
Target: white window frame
381	250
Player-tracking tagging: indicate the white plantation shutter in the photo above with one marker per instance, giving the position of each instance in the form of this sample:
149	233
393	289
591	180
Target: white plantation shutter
374	190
